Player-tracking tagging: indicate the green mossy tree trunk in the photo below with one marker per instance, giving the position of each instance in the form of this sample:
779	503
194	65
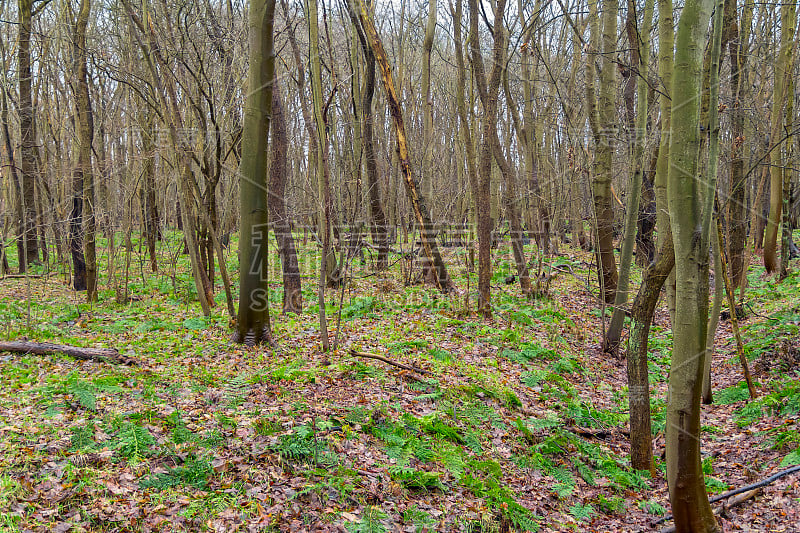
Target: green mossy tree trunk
253	321
690	226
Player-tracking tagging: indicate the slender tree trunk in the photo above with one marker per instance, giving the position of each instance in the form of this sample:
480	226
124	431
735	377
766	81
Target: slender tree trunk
327	265
461	106
278	173
642	310
27	126
149	205
690	507
19	203
645	246
83	177
737	204
253	322
637	125
666	38
427	231
531	157
783	68
786	222
380	229
169	104
488	89
602	119
713	319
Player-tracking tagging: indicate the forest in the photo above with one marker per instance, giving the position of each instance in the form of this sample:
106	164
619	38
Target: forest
395	265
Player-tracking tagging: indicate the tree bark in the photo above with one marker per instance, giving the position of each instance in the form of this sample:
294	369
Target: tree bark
688	496
488	89
737	204
380	229
27	126
279	218
47	348
253	322
167	96
783	68
149	206
637	126
84	258
602	118
427	231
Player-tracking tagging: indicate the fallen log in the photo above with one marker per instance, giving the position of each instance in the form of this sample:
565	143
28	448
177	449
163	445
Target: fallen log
105	355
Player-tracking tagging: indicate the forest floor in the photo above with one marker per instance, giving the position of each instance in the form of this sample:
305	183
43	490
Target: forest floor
518	423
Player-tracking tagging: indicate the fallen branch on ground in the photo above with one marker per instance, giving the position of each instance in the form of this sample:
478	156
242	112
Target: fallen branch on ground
377	357
106	355
749	489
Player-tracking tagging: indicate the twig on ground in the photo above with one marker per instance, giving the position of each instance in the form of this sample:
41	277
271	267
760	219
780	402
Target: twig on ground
377	357
749	489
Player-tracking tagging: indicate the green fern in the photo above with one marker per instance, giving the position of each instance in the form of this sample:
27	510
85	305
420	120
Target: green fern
133	441
421	520
194	472
472	440
611	505
360	307
550	420
582	512
791	459
585	471
736	393
370	521
534	377
82	439
412	478
236	389
652	507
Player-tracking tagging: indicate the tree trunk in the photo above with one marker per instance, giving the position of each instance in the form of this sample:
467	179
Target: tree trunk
27	126
168	100
642	310
645	246
16	190
737	204
690	506
488	88
783	68
278	173
149	205
532	154
666	35
380	229
327	262
637	126
253	322
85	273
427	231
602	115
786	221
